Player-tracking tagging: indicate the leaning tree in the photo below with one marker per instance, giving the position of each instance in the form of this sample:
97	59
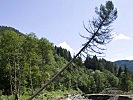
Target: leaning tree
99	34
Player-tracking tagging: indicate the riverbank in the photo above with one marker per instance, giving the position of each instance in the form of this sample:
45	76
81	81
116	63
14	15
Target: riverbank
46	95
72	95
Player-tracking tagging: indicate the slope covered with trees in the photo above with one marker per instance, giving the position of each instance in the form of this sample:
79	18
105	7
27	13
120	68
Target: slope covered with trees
123	63
27	62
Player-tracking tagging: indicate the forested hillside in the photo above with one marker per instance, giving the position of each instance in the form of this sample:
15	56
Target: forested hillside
27	62
123	63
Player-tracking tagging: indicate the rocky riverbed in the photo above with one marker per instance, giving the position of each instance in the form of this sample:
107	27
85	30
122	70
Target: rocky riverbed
96	97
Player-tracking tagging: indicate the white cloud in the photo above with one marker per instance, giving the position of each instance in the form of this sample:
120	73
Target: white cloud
121	37
66	46
129	58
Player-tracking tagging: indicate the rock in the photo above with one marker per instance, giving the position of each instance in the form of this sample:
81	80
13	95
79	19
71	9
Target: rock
75	97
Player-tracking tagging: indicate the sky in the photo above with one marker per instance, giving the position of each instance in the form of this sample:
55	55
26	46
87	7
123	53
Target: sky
61	22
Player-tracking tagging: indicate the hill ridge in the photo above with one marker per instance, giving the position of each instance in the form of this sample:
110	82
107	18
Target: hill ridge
127	63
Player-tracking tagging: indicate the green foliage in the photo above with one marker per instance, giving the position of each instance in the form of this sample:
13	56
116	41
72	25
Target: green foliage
107	11
28	62
125	81
63	53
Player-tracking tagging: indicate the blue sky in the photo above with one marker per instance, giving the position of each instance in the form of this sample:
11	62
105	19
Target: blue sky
61	21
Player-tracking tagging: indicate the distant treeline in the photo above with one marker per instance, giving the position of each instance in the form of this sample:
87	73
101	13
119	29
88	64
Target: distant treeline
27	62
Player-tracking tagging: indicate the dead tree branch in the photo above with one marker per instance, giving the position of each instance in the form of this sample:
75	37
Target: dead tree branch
100	35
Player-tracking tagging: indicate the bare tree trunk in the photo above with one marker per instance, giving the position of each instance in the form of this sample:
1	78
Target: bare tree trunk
95	37
15	75
19	75
31	83
10	73
15	87
53	78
